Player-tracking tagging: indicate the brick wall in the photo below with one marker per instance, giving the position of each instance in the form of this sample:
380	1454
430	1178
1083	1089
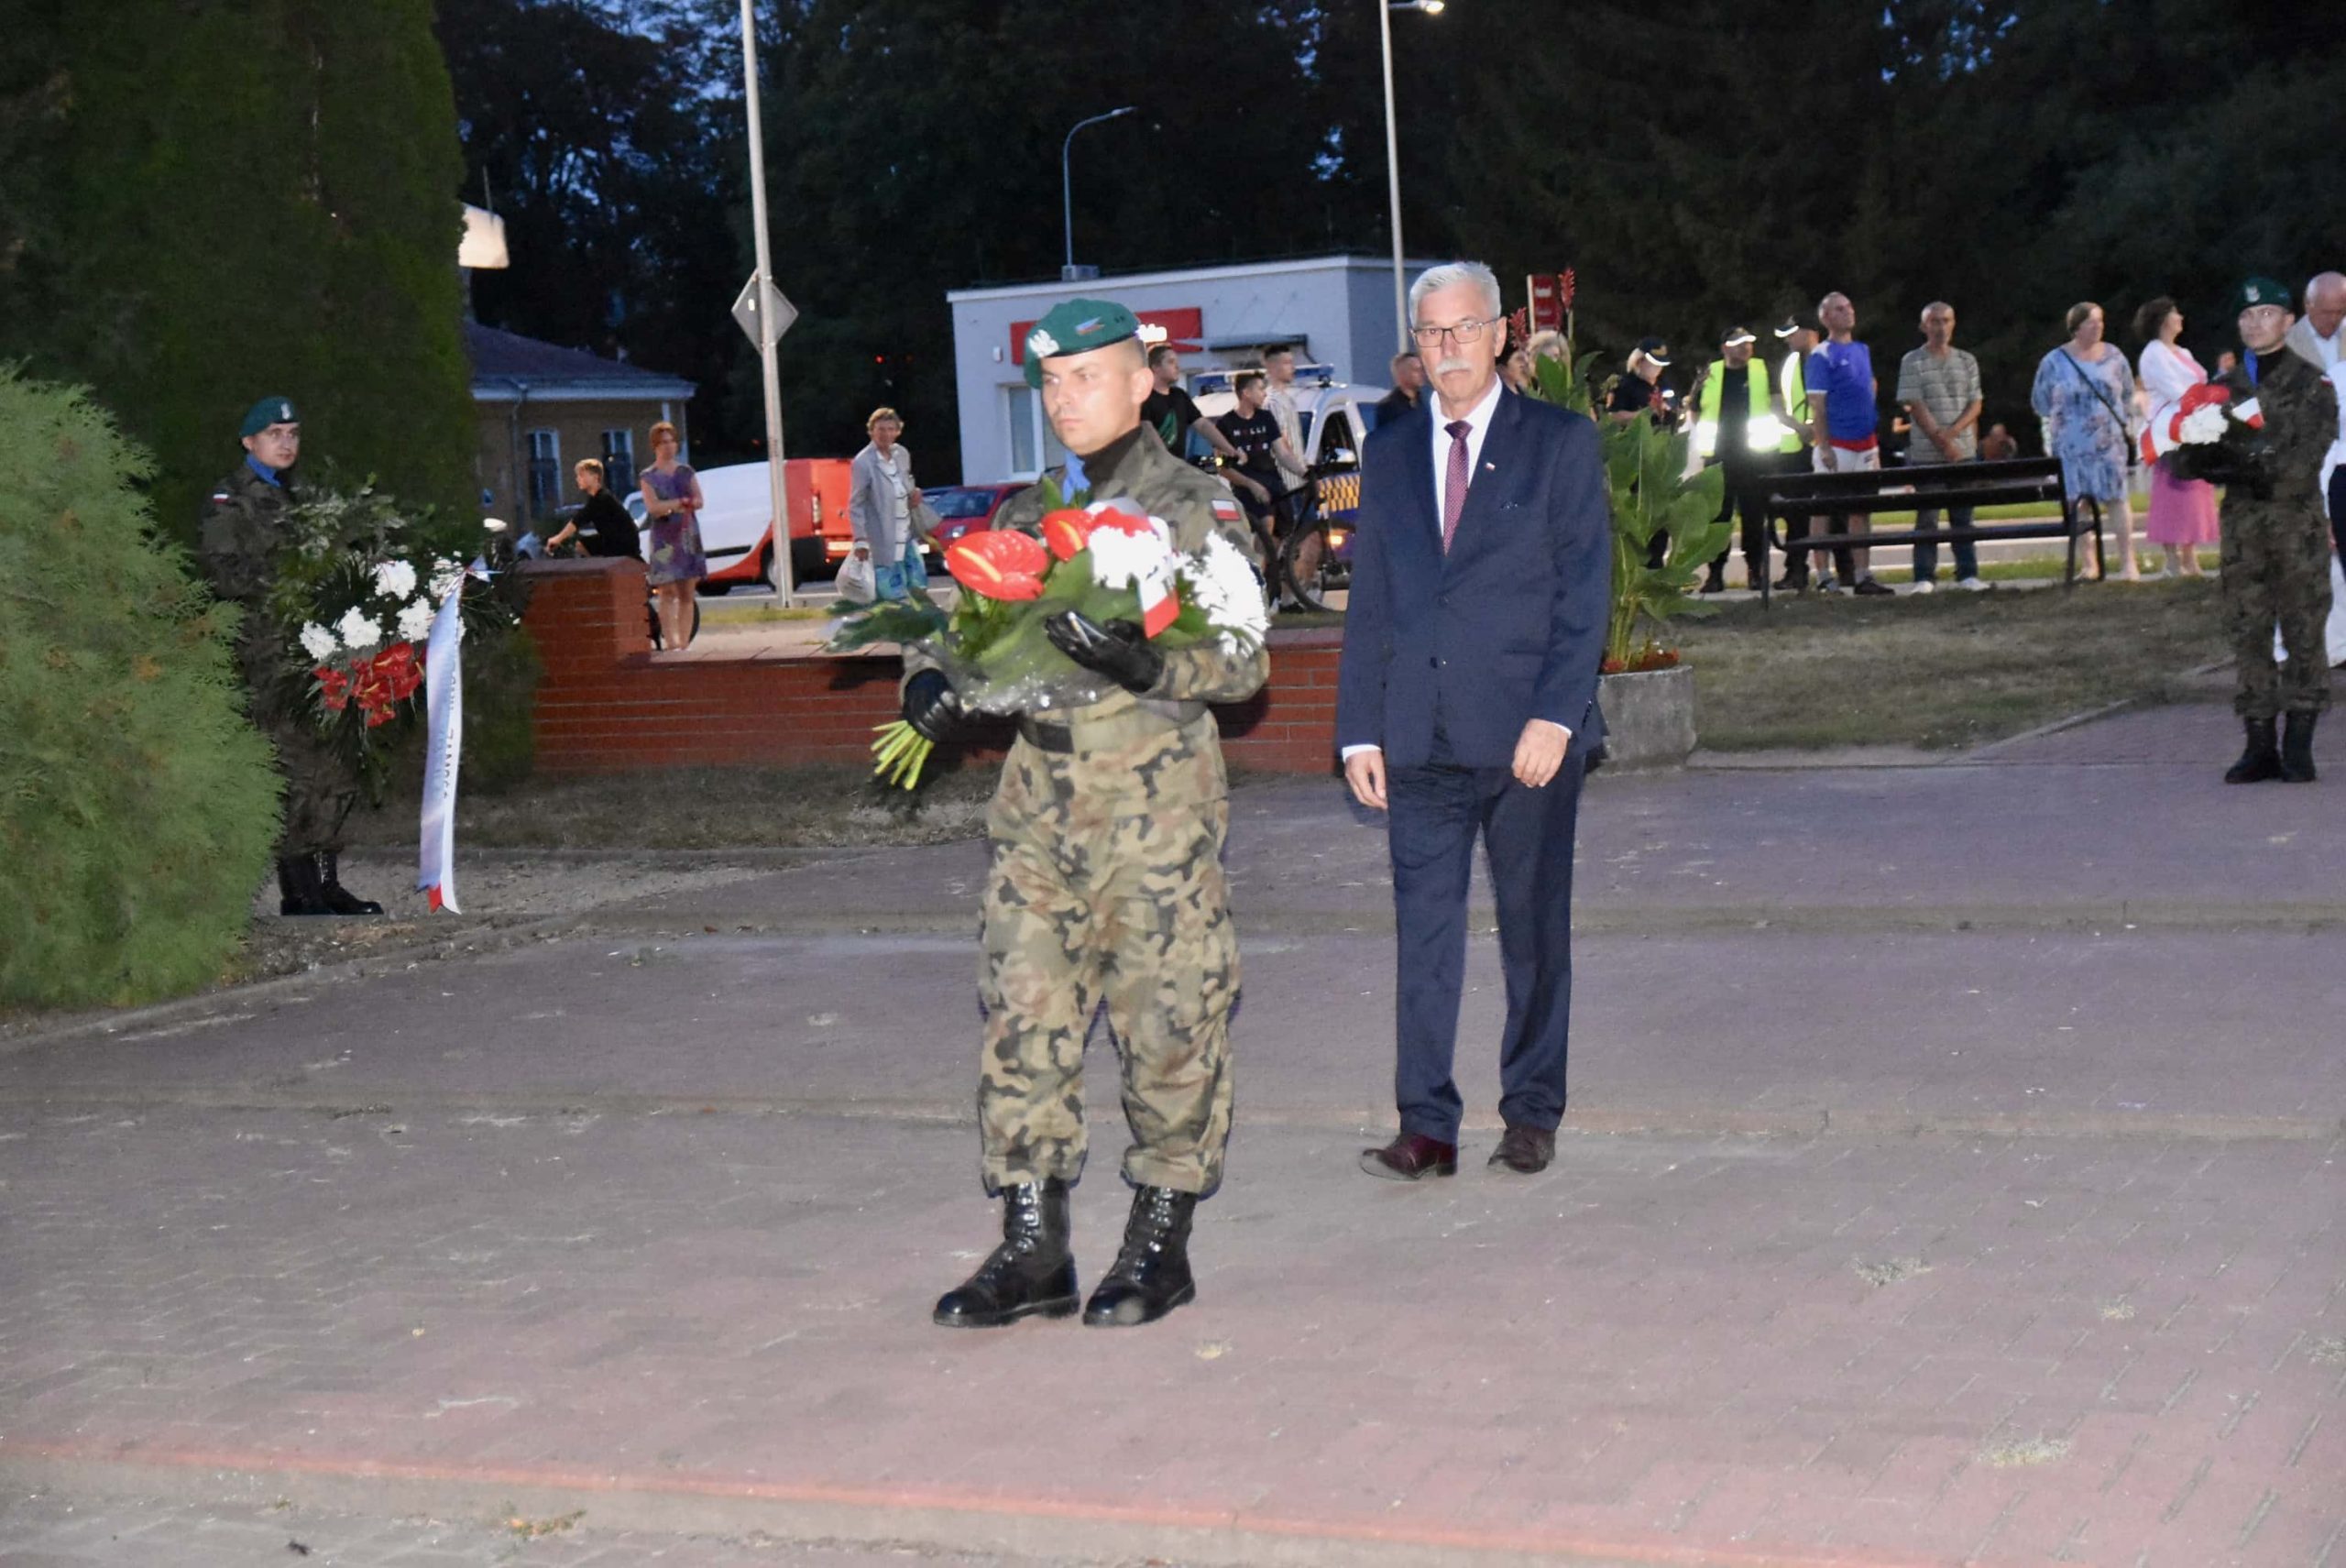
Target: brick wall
609	704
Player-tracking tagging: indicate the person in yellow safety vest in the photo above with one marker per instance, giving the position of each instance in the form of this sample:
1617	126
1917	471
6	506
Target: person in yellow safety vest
1739	425
1799	335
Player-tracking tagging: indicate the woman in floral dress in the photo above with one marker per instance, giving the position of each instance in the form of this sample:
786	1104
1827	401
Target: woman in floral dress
672	500
2084	391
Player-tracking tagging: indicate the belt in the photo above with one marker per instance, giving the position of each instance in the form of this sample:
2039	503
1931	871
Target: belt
1149	716
1056	738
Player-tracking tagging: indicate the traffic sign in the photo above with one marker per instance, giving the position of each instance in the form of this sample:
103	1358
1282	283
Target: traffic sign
779	310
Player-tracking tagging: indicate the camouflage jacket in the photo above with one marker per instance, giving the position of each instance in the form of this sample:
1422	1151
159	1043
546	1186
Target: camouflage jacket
243	524
2300	422
1195	505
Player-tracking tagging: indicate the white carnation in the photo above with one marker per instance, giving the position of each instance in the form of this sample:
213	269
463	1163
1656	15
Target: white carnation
415	621
394	579
1119	559
318	642
1221	583
2202	425
358	630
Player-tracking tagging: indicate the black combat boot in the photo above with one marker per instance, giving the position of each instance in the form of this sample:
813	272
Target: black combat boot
2261	760
297	889
1152	1273
2296	748
338	899
1031	1272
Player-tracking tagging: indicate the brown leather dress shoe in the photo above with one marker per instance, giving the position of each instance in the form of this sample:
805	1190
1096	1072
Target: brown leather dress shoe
1410	1158
1524	1149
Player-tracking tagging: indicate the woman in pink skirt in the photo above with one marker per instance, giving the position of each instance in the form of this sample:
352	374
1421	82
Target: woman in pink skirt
2183	511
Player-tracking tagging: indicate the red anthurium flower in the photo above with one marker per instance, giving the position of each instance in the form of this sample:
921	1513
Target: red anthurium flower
1001	565
1066	531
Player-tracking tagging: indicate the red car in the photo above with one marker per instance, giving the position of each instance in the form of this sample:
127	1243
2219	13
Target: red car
966	508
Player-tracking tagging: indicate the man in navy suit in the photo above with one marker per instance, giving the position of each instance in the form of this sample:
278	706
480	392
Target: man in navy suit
1466	702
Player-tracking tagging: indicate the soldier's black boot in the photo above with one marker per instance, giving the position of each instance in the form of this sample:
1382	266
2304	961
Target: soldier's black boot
2296	748
338	899
1152	1273
2261	760
298	890
1032	1271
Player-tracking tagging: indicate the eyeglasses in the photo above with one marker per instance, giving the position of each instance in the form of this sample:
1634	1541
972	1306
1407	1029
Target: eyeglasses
1464	332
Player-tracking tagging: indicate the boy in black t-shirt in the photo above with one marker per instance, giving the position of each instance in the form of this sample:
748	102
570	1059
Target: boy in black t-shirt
1171	413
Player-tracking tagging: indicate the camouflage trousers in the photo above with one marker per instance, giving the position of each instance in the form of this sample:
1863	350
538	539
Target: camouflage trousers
319	788
1106	885
2276	568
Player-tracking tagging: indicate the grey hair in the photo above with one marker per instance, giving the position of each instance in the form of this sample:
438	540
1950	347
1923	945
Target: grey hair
1450	274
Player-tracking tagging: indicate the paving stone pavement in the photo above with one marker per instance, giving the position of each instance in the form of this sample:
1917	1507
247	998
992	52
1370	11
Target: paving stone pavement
1952	1221
133	1532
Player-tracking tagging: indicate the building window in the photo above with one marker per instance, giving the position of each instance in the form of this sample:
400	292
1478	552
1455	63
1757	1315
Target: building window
618	460
1034	445
545	473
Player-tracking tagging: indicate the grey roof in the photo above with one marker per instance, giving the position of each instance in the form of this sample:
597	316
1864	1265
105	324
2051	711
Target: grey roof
500	358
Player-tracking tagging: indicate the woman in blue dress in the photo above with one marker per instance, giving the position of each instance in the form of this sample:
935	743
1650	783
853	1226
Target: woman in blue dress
675	564
2085	395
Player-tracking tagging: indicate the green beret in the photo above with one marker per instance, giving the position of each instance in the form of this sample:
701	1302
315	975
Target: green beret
1079	326
2261	291
268	411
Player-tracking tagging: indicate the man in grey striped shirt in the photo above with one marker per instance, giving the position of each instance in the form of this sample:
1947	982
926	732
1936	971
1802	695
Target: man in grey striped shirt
1938	385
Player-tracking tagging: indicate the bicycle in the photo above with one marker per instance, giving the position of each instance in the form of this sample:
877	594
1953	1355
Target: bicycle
1314	563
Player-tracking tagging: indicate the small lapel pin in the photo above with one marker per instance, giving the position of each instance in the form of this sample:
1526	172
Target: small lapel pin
1490	467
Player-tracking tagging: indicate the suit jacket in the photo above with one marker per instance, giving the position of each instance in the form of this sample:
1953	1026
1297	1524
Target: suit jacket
1508	625
870	504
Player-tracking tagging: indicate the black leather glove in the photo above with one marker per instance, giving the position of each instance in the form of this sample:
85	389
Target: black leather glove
932	706
1120	650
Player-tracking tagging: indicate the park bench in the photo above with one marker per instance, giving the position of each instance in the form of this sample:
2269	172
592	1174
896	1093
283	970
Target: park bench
1939	485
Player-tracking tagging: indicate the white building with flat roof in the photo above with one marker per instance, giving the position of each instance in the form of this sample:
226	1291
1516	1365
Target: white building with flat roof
1337	311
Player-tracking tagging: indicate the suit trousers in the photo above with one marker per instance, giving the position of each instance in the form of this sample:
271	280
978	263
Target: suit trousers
1437	812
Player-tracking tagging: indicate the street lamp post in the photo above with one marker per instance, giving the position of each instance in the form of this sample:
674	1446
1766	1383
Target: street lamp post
1384	9
768	371
1067	187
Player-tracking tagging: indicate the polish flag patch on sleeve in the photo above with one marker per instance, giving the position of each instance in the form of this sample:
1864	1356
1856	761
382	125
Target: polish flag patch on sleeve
1225	512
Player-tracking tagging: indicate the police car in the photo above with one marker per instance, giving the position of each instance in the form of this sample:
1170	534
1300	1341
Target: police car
1335	418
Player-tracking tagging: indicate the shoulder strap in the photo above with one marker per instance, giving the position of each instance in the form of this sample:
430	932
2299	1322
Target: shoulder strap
2095	387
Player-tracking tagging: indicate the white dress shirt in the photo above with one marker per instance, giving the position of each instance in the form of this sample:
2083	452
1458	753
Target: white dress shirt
1478	422
1478	425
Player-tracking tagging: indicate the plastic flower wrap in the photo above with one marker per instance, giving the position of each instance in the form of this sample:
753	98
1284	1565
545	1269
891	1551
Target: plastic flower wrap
1109	561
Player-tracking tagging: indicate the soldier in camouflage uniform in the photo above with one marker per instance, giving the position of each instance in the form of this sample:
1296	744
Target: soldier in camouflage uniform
1106	881
2275	547
242	524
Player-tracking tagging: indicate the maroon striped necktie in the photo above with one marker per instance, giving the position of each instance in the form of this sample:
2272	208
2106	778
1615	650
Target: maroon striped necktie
1453	489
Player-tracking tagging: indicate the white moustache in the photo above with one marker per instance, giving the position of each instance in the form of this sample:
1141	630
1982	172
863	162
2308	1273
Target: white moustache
1447	366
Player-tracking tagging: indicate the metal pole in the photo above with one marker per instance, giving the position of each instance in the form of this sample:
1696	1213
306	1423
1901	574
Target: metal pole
1067	183
1393	172
783	577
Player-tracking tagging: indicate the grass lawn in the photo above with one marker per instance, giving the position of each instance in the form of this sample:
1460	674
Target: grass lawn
1949	670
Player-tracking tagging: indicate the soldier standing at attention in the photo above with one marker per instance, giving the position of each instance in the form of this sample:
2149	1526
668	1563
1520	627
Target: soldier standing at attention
2275	547
1105	881
243	527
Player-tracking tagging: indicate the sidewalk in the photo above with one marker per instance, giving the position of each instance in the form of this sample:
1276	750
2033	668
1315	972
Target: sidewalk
1953	1176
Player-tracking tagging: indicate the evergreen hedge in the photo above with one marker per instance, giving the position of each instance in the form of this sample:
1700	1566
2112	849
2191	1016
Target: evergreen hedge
222	203
138	806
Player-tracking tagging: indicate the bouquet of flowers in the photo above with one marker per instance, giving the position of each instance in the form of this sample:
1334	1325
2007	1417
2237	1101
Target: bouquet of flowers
1106	560
2205	434
357	586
